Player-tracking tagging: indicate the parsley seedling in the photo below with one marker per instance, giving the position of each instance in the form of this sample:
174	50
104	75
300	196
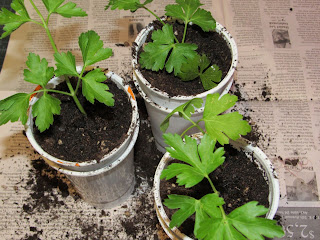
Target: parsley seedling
165	50
198	161
16	106
221	127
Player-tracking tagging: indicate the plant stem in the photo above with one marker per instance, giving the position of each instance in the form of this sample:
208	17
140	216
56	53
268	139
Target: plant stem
185	131
80	77
184	32
47	21
216	191
36	22
212	186
73	94
45	26
156	16
52	90
194	124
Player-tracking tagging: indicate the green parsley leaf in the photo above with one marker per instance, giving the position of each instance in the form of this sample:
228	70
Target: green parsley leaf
184	9
68	10
13	20
156	53
66	64
52	5
211	77
14	108
190	70
211	159
204	19
132	5
189	11
44	109
38	72
195	170
223	126
185	110
93	88
92	48
217	229
180	54
243	221
198	67
188	206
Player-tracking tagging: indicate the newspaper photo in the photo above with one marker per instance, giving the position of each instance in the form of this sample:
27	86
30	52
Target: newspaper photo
278	89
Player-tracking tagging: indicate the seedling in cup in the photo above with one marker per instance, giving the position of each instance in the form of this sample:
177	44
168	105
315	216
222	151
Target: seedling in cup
15	107
167	52
198	161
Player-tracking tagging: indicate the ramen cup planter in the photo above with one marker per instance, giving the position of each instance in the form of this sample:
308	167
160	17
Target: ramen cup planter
252	152
159	103
105	182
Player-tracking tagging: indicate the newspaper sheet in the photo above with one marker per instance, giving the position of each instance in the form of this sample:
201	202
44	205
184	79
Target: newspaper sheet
279	89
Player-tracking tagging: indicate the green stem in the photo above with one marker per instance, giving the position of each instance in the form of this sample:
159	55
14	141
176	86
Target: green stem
156	16
60	92
212	186
36	22
194	124
73	94
45	26
185	131
47	21
184	32
216	191
52	90
79	79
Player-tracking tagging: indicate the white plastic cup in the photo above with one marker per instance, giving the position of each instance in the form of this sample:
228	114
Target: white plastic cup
177	124
105	183
109	186
95	163
160	97
159	104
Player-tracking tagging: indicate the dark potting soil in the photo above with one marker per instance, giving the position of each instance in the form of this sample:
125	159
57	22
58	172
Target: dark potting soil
78	138
237	180
42	196
210	43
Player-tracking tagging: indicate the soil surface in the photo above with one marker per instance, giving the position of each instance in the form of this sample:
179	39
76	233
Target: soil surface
210	43
238	180
78	138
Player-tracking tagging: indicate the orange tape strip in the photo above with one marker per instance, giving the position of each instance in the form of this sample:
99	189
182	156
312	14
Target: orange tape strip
131	93
36	89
